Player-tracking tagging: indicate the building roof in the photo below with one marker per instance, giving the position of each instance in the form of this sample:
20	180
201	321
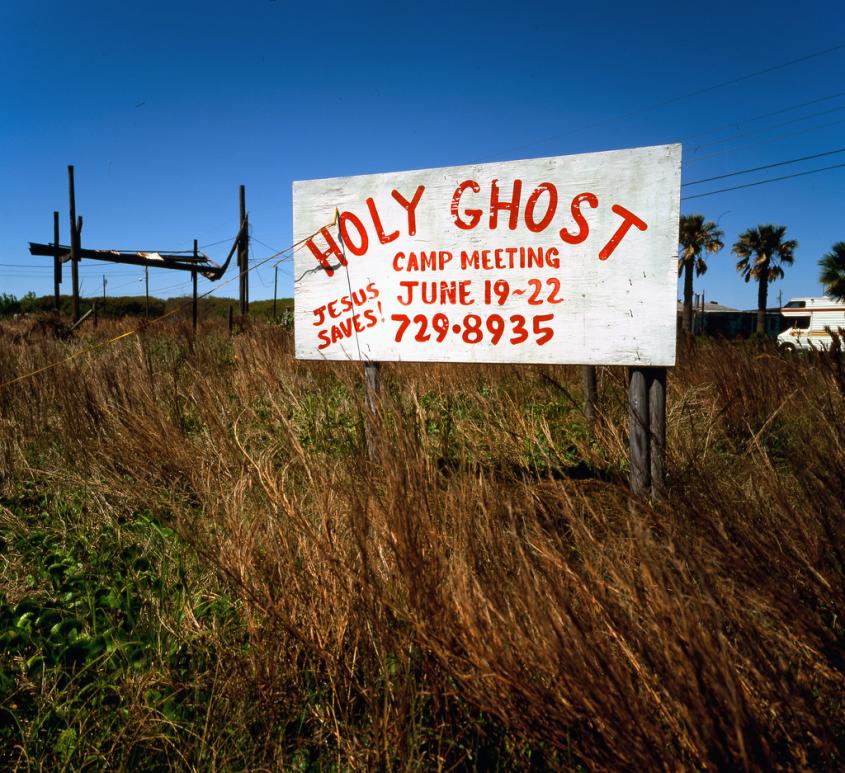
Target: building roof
709	306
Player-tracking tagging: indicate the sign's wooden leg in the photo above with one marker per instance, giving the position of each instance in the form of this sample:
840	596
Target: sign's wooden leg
657	429
638	430
371	398
647	430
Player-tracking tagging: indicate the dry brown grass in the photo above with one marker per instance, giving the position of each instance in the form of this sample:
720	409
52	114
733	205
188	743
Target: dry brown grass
486	585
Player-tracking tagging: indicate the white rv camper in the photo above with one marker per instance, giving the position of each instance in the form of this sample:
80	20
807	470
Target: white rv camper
812	320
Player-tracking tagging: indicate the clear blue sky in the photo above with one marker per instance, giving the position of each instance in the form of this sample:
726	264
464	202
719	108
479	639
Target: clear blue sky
165	108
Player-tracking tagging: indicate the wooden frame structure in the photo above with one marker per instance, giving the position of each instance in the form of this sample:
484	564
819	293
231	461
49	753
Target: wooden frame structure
193	262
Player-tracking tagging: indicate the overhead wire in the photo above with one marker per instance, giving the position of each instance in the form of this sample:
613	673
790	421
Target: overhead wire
740	122
743	135
763	182
777	138
761	168
672	100
270	247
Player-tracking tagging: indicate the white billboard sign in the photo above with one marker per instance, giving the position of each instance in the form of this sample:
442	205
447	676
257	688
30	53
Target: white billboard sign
571	259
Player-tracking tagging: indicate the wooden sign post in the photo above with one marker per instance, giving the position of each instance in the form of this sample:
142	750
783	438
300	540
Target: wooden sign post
571	259
57	264
243	257
74	243
194	295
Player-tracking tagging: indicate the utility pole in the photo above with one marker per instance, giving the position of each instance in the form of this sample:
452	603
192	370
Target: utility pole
243	256
275	288
194	304
57	263
74	243
105	282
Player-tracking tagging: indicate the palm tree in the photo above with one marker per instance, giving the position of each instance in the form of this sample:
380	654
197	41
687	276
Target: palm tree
833	271
762	251
696	238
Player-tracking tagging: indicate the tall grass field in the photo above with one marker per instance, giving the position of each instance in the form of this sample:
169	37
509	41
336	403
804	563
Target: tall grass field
203	568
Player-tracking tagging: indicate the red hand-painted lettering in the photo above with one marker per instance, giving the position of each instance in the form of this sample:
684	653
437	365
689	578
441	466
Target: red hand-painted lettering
628	219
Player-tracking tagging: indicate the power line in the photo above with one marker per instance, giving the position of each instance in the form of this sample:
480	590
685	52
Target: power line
214	244
742	135
736	124
766	166
769	141
89	269
763	182
673	100
272	248
180	252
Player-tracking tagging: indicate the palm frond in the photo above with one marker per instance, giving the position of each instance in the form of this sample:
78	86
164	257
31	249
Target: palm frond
832	267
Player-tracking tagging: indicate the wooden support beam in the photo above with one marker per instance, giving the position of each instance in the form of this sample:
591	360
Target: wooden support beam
194	301
74	243
180	263
640	472
275	290
81	320
657	430
647	430
57	264
243	255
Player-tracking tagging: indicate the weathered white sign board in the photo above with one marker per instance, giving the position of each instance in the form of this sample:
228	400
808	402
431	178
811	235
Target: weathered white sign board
571	259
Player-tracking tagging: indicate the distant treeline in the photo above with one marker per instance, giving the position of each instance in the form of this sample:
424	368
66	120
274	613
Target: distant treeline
135	305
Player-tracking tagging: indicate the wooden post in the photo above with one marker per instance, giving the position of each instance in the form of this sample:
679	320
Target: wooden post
104	293
94	311
647	430
275	289
147	290
694	313
230	319
57	264
81	320
638	426
194	304
588	378
74	243
371	400
657	429
243	256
